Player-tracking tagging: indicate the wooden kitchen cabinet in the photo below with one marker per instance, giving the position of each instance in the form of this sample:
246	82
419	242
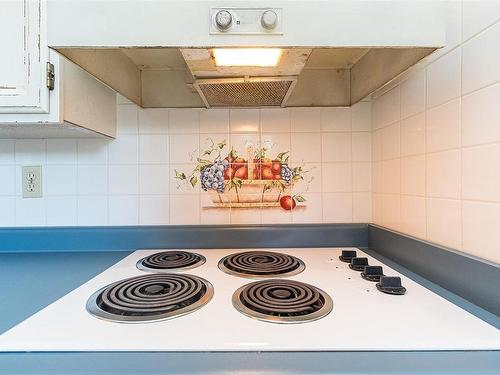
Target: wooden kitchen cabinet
32	105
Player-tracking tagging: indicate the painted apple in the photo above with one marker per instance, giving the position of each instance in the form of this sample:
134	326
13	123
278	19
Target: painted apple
267	173
229	173
287	202
276	176
241	172
238	163
276	167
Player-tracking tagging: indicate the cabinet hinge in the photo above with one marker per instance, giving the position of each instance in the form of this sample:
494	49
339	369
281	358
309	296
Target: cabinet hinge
51	77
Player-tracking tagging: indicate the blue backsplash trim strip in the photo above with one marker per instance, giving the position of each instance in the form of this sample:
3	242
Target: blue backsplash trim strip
201	236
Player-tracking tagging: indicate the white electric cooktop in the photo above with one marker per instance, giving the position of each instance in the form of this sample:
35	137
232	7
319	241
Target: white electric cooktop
362	318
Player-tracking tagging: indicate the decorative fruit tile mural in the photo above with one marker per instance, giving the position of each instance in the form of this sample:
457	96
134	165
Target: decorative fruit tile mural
252	176
196	166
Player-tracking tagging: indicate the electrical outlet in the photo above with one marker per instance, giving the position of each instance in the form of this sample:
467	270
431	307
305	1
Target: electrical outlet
32	182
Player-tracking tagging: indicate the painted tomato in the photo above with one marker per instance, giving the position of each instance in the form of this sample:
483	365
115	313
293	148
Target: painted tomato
287	202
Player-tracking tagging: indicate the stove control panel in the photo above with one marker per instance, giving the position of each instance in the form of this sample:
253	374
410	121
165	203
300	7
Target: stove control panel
258	21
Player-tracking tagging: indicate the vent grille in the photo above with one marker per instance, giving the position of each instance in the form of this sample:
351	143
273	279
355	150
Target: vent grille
250	92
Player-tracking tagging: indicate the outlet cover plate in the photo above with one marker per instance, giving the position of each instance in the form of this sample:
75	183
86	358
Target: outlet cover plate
32	181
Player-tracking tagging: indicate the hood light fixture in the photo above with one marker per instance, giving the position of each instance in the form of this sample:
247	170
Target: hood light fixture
247	56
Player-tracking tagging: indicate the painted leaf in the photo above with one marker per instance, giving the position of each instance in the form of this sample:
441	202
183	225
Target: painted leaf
179	175
299	198
281	155
221	144
193	180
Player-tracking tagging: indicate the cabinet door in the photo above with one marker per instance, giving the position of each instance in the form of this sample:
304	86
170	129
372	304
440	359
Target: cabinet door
24	54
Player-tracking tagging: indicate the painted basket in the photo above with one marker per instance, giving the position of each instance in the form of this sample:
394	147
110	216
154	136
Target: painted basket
252	193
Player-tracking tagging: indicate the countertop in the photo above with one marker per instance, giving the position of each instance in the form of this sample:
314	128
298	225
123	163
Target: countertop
31	281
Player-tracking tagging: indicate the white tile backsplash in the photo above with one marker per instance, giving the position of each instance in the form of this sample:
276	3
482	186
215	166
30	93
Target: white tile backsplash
337	177
413	135
443	78
214	121
449	139
8	185
153	149
244	120
391	144
154	210
154	179
413	175
387	108
305	119
339	208
127	119
123	210
413	215
8	211
184	148
92	210
30	151
123	179
361	207
184	121
336	119
306	147
444	222
361	146
481	58
153	121
336	147
124	150
443	127
30	212
413	95
92	179
362	177
481	173
275	120
361	116
59	180
92	151
61	211
481	116
61	151
444	174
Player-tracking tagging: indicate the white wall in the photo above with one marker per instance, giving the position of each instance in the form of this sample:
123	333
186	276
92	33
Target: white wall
436	139
129	180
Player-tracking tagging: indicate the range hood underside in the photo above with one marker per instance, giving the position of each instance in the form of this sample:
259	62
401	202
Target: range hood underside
160	77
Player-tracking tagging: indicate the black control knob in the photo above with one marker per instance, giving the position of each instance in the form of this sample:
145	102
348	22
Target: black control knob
391	285
347	255
372	273
358	264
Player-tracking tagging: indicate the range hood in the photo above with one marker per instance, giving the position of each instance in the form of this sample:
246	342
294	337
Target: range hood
332	53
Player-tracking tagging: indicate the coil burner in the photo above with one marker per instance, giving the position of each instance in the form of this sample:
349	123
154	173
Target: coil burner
261	264
282	301
173	260
150	298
